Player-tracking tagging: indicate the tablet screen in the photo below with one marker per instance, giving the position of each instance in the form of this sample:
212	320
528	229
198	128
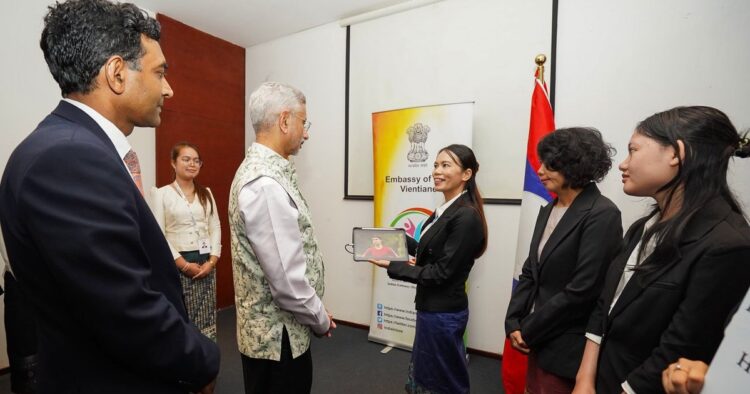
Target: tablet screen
379	244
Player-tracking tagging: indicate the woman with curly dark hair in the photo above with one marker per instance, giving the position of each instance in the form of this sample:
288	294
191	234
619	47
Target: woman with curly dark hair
575	238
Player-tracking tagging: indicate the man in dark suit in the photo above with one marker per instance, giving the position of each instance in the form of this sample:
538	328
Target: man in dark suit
84	245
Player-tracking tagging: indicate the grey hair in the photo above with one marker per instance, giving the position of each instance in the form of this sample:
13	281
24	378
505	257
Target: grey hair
269	100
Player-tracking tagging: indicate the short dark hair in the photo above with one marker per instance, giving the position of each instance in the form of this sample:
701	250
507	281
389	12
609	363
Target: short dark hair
80	35
578	153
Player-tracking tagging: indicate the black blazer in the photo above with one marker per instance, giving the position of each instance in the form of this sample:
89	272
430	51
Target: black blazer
564	284
445	255
680	309
96	268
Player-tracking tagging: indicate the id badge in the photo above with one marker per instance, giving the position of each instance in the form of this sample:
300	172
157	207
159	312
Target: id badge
204	246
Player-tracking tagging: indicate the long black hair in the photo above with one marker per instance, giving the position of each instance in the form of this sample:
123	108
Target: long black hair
464	157
710	140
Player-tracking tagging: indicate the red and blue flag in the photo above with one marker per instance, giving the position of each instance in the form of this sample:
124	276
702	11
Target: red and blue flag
535	196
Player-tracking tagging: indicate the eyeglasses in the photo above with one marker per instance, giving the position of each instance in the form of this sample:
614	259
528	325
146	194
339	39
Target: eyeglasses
305	123
187	160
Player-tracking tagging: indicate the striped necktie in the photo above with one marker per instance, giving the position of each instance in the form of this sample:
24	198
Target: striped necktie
131	161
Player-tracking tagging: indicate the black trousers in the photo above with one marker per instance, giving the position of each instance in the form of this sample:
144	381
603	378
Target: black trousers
286	376
20	334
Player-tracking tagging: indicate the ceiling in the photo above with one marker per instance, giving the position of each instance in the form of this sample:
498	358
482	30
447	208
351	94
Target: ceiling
250	22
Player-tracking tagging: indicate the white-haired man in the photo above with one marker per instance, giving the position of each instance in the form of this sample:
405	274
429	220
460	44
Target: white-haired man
277	265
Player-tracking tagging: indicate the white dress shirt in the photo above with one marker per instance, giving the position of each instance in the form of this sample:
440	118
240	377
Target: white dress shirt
270	218
175	216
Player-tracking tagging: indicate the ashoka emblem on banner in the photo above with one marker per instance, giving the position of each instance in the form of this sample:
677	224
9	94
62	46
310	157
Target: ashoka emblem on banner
417	137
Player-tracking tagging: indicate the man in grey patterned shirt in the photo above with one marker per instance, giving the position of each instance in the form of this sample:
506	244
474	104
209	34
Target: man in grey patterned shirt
277	265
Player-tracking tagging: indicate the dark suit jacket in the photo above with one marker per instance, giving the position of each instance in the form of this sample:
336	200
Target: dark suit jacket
680	309
96	267
564	284
445	255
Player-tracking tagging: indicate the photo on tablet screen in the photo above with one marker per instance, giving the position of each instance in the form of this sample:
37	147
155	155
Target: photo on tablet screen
379	244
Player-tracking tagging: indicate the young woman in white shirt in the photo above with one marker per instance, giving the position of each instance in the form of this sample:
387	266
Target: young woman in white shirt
186	212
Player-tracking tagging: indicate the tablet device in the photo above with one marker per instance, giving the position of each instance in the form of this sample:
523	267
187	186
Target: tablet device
379	244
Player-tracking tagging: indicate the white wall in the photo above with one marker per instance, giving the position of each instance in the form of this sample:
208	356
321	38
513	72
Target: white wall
29	93
618	62
621	61
392	67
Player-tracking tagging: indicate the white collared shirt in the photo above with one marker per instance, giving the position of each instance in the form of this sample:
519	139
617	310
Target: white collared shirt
113	133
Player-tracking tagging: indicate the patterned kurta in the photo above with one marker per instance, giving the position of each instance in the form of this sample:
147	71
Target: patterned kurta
260	322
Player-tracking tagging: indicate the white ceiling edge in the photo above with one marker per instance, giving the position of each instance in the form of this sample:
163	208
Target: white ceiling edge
251	22
379	13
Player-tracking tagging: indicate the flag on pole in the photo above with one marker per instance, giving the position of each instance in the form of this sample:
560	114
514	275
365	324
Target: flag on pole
534	197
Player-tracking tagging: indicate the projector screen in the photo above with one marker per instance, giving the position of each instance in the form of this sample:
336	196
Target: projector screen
453	51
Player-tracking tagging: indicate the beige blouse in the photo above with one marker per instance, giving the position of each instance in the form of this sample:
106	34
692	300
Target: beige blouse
173	213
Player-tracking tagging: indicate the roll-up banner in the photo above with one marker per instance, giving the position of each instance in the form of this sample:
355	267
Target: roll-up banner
405	145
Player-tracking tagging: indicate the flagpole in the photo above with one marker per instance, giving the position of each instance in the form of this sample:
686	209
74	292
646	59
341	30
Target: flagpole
535	196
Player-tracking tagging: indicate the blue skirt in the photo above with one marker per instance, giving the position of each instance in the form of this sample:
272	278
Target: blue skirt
438	358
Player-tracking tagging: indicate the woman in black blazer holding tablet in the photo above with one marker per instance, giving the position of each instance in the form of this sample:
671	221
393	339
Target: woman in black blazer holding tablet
684	267
575	238
452	238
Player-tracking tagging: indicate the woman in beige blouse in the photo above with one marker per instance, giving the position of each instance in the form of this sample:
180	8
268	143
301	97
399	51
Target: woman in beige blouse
186	212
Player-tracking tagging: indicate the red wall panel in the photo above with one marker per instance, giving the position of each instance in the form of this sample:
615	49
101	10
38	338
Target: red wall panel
207	75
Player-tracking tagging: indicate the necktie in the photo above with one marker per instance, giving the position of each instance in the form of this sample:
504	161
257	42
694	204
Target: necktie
131	161
430	221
